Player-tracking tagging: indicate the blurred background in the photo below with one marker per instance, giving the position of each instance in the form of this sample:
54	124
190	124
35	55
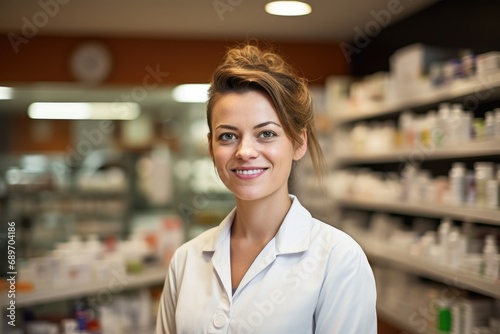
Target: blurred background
104	168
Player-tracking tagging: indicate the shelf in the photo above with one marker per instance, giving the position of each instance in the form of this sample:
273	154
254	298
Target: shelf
481	88
36	190
472	215
472	150
414	265
149	276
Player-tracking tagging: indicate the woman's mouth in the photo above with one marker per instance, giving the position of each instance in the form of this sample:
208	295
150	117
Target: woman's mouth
249	172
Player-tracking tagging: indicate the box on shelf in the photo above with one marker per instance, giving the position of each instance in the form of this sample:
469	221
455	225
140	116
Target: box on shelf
337	94
488	62
369	91
410	67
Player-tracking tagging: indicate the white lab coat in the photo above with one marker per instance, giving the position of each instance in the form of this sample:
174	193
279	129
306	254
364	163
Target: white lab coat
310	278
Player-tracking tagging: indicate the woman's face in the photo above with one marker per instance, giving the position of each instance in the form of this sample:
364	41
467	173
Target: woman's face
250	149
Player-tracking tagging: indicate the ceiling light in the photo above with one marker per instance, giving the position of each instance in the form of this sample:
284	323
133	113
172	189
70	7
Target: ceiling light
288	8
74	110
6	93
191	93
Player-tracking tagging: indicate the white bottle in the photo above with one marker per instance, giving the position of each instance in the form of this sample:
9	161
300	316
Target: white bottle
491	258
93	247
455	124
492	194
443	232
441	132
489	125
456	248
497	122
457	183
427	242
407	128
467	127
483	172
431	121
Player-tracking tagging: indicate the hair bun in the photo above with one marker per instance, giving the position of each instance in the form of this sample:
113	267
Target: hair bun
251	57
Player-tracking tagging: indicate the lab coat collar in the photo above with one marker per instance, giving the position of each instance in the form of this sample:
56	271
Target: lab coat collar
293	235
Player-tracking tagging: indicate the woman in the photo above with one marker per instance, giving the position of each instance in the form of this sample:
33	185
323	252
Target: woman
269	267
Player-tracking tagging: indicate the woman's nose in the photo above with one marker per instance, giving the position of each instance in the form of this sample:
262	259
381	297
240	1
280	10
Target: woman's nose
246	149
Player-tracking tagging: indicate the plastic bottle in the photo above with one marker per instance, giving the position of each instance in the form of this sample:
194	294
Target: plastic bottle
406	125
443	231
483	171
93	247
427	242
493	193
466	127
457	183
455	124
441	132
455	251
444	317
468	60
490	258
497	122
431	120
470	183
82	314
489	125
422	186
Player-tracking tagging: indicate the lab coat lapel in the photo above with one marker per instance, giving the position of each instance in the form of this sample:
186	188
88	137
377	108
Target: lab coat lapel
293	237
264	259
221	252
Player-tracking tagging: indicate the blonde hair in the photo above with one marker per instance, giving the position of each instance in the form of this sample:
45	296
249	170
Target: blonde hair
246	68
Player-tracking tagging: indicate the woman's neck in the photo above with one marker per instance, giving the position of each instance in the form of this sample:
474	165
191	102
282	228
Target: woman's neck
258	221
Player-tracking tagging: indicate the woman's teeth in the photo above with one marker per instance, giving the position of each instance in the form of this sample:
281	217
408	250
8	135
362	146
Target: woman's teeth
249	171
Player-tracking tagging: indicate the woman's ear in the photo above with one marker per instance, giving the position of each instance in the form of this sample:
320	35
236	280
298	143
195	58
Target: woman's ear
301	149
210	150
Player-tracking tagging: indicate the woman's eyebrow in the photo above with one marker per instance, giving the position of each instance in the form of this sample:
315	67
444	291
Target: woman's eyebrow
261	125
225	126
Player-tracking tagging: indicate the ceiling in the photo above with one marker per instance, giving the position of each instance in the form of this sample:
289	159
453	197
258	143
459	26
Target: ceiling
329	21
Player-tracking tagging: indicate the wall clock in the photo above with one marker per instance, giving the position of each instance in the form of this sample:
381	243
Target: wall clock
91	62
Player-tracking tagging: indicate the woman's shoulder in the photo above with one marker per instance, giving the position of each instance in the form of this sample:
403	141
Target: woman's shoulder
198	243
333	237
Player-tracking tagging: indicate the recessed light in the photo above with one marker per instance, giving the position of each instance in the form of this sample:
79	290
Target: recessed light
191	93
76	110
5	93
288	8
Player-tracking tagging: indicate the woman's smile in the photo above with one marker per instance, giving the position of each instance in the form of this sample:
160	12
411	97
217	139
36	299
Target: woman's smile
249	173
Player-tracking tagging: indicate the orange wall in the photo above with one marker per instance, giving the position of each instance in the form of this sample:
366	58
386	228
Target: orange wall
28	136
46	58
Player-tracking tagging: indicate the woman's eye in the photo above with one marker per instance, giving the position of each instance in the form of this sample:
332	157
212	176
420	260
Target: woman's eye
267	134
227	136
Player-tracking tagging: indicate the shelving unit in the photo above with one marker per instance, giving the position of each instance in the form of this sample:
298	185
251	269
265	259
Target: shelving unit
485	89
456	91
150	276
473	215
467	150
417	266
